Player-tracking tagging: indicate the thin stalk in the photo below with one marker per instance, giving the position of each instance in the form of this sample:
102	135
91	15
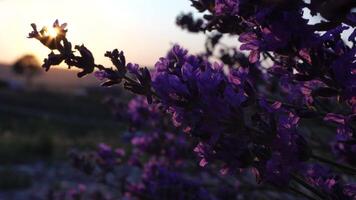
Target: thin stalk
345	168
128	79
288	105
317	101
272	58
295	190
309	187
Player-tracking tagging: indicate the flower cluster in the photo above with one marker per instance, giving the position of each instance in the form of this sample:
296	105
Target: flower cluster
156	163
329	183
211	105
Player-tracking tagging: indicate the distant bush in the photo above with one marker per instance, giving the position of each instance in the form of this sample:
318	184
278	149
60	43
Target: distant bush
27	66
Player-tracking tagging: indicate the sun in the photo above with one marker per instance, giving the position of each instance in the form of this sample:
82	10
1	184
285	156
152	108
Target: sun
51	32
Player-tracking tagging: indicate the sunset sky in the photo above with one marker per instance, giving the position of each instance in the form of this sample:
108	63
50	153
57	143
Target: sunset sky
144	29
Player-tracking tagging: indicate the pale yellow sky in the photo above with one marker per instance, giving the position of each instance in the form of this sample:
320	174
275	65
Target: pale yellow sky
144	29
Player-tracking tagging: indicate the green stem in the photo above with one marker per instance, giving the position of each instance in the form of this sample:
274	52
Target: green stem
347	169
322	106
309	187
295	190
288	105
128	79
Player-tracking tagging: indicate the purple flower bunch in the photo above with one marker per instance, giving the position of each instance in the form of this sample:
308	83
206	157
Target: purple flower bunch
276	110
330	184
209	104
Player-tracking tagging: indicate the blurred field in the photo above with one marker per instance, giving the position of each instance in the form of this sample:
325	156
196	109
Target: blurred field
40	125
43	124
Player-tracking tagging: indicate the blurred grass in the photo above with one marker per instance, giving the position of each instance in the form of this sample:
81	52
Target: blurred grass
45	125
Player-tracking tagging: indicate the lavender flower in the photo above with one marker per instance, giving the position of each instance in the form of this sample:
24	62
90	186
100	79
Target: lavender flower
238	121
226	7
329	183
